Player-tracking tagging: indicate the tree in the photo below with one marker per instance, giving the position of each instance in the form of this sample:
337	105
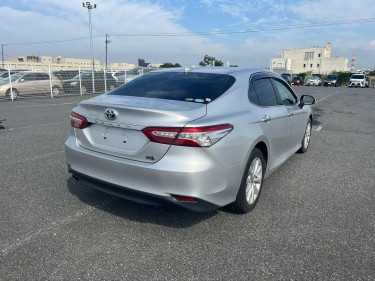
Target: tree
169	64
208	61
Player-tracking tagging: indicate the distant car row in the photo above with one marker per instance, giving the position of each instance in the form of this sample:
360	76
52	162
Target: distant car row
35	82
356	80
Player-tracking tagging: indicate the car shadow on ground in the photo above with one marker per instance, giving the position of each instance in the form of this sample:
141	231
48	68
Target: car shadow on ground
168	215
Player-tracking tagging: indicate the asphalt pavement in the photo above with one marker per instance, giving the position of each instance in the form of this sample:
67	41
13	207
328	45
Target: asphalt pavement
315	219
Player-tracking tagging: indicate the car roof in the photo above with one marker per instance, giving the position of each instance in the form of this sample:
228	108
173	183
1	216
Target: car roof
216	70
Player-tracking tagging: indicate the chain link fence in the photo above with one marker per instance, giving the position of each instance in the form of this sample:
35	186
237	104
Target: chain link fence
46	81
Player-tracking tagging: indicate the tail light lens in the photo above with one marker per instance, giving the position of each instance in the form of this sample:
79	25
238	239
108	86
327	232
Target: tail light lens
78	121
194	136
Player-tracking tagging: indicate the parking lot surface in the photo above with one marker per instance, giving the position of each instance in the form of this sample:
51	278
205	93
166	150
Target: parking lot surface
315	219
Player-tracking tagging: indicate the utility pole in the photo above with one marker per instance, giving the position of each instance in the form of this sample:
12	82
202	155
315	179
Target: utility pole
107	41
2	55
89	8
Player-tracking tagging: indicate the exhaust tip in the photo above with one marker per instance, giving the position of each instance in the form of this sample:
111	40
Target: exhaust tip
75	177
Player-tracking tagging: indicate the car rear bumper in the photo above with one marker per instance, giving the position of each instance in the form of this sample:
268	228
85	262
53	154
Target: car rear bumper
183	171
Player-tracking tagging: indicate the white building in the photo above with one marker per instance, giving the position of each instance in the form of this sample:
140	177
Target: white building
316	59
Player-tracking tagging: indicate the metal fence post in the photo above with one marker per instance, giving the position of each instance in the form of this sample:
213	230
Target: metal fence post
10	83
105	81
80	82
50	80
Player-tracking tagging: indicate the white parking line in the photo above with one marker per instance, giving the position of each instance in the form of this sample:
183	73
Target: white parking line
37	157
33	126
325	97
38	105
318	128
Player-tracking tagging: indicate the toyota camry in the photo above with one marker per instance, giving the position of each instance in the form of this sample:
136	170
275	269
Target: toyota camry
200	138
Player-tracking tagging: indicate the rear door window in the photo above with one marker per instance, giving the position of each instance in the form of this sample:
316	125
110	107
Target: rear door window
41	76
265	92
190	86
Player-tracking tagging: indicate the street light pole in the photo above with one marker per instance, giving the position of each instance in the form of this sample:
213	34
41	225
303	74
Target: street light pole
89	8
107	41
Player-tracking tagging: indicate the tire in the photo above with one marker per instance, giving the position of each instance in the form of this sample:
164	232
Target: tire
56	91
16	94
251	183
306	138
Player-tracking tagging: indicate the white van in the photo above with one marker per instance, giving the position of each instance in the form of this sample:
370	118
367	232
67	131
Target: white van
357	80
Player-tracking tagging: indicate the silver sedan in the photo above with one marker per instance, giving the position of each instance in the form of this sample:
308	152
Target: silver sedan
200	138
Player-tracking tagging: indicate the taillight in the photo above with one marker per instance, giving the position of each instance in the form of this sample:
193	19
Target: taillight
78	121
189	136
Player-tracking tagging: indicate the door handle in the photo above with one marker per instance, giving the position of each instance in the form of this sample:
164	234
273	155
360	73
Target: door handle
266	118
291	114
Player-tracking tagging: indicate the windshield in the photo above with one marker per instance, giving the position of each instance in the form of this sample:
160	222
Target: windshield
332	77
83	75
181	86
285	76
15	77
314	78
297	78
358	76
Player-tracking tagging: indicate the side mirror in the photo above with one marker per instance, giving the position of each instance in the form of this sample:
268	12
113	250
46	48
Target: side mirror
21	80
306	100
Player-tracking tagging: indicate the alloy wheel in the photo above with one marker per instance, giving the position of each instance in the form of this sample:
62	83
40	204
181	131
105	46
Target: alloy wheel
254	180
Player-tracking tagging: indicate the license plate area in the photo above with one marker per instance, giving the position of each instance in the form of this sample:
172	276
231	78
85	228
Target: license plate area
124	141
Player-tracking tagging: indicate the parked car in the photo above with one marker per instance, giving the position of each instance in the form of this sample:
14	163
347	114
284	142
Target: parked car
357	80
66	74
133	73
313	81
30	83
367	82
297	81
201	139
74	86
287	77
331	80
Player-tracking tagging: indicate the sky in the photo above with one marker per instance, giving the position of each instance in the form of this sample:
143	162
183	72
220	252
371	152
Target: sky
26	21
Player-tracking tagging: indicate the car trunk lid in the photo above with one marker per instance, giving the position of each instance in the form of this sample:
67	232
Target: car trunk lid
123	136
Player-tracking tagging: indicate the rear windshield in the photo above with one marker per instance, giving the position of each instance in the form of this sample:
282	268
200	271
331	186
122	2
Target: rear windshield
181	86
358	76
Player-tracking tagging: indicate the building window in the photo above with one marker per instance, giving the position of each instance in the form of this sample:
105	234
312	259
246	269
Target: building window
310	65
318	65
304	65
309	55
319	55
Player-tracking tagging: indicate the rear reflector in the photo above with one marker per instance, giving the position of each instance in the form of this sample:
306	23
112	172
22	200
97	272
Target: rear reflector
189	136
78	121
185	199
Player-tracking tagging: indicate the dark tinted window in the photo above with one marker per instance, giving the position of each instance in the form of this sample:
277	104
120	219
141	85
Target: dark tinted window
332	77
41	76
286	96
199	87
357	76
265	92
29	77
252	95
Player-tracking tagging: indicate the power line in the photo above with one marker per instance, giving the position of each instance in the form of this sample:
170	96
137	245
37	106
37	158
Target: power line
207	33
278	28
55	41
